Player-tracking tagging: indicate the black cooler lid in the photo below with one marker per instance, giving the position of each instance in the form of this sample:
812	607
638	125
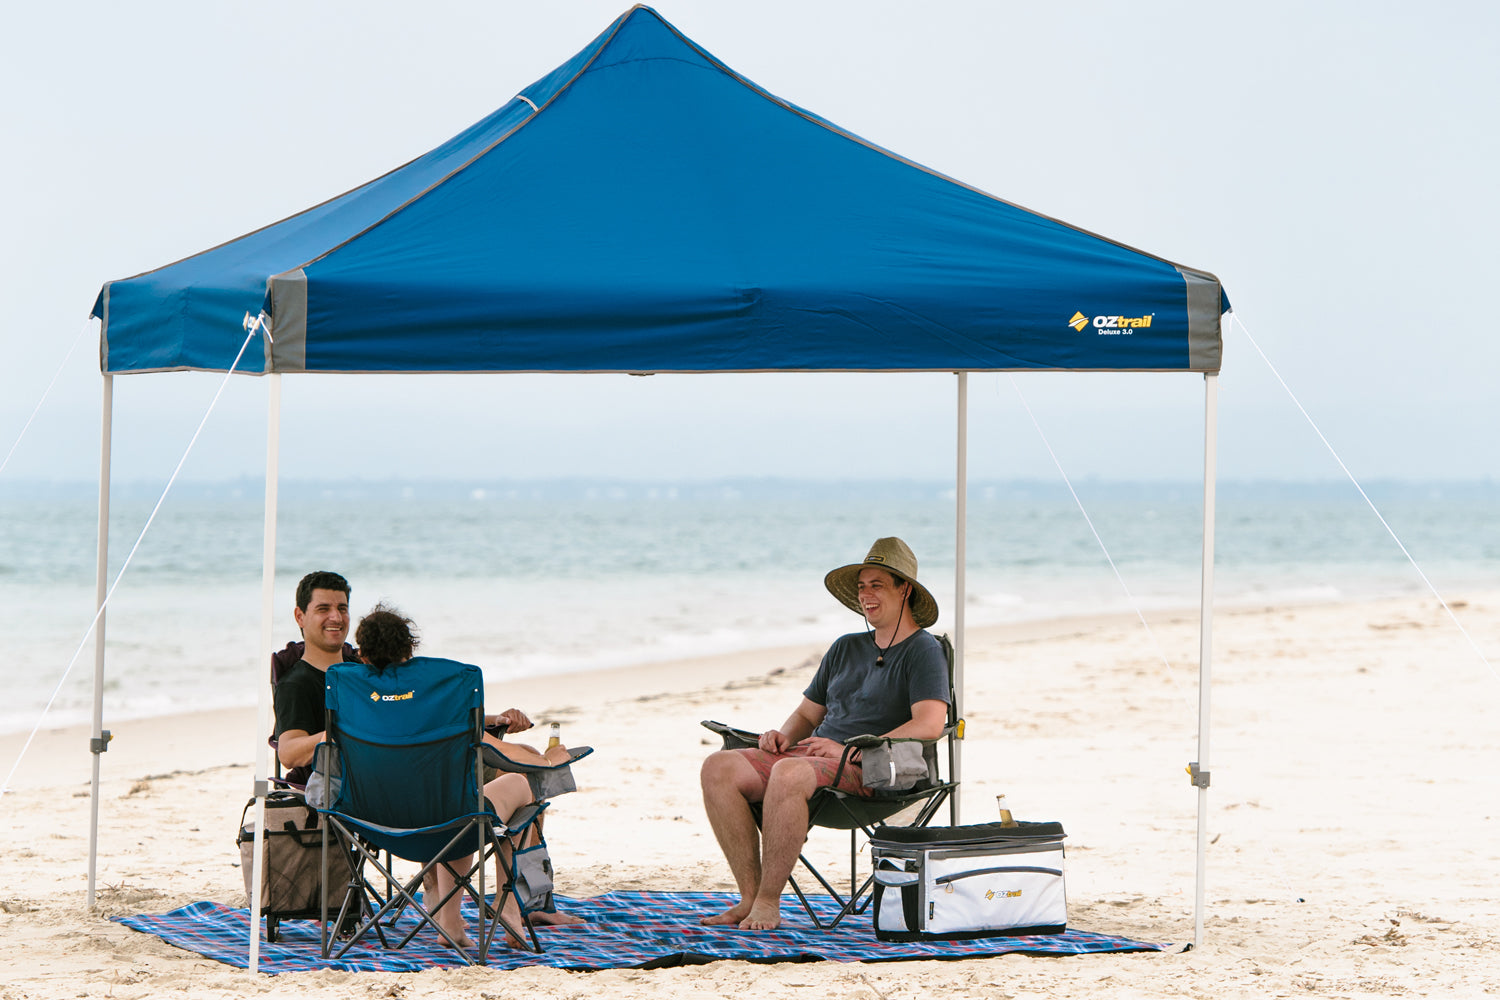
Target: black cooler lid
976	833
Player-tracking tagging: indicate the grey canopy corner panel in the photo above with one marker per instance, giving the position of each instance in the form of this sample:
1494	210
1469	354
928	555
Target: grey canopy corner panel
286	349
1204	306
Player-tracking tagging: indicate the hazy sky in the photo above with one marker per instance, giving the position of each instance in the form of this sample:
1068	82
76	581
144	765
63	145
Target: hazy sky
1333	163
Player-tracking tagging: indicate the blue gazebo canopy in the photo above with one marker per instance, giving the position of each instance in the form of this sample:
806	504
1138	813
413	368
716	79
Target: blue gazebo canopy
645	208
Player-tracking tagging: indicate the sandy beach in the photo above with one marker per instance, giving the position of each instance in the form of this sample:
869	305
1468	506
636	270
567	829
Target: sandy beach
1354	822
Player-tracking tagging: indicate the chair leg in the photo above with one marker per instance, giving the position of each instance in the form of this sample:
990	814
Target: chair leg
355	889
492	914
859	898
853	867
857	902
806	903
357	894
401	898
828	887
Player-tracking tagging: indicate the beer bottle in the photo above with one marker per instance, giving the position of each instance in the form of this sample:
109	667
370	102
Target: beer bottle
1006	819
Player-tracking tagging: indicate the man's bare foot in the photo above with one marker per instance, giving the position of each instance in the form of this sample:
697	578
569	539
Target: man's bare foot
557	919
762	917
730	917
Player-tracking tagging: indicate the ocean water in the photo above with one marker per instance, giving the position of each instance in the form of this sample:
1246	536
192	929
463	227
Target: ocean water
549	578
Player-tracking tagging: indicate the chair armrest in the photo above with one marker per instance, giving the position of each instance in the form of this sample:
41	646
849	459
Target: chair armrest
734	739
518	821
874	741
546	780
494	758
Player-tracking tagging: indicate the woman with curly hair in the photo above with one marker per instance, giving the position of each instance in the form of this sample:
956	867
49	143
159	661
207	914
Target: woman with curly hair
387	638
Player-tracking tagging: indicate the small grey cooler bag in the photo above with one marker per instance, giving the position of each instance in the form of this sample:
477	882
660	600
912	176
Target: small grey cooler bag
976	881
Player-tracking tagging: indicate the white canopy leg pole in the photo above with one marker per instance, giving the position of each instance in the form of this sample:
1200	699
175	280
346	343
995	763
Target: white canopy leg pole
1200	769
961	516
267	640
100	741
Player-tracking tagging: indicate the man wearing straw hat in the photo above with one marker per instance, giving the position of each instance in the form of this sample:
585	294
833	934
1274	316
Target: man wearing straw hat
889	680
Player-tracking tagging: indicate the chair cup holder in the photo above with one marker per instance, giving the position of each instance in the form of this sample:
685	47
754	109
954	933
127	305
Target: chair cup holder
546	780
546	784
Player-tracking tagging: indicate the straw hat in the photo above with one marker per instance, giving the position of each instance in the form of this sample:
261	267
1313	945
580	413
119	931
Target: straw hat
895	557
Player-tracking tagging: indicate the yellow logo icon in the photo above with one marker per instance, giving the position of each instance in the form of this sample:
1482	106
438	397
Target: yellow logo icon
374	695
1079	321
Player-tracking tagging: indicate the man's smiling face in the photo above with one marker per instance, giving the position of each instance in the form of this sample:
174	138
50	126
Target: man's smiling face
325	623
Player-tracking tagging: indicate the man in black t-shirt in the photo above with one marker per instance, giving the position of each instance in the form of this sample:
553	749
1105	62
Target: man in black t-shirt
322	614
891	680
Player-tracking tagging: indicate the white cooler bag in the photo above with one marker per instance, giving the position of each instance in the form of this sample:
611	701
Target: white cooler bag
985	880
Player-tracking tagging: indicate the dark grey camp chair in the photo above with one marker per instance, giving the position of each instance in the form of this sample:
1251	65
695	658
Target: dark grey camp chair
836	810
295	780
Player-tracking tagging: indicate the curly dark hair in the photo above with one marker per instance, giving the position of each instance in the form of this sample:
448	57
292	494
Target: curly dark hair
386	636
321	580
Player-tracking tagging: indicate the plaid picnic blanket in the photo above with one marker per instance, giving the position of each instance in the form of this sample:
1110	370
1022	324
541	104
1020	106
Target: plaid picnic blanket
624	930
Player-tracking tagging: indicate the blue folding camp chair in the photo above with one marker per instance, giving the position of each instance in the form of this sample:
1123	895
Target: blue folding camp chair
400	773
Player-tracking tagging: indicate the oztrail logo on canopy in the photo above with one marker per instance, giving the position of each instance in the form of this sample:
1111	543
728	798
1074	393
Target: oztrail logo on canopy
1111	325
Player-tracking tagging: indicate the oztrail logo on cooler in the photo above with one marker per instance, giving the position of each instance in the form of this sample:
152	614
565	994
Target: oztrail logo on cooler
1107	326
1003	894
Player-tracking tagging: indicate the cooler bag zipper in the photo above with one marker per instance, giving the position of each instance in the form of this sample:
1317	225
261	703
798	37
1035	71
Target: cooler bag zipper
944	879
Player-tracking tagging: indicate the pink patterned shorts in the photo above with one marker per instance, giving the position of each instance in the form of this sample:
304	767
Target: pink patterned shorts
852	780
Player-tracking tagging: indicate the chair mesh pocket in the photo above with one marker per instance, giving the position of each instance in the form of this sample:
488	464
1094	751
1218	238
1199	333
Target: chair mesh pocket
534	878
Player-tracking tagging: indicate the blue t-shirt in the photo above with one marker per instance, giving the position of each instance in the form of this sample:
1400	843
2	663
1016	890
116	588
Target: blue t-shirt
864	699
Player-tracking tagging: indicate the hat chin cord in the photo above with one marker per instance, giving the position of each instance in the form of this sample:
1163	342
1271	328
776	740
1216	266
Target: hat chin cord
880	653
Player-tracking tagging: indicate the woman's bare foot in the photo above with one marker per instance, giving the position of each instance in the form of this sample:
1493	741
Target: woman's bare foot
449	917
730	917
556	919
511	924
455	929
462	940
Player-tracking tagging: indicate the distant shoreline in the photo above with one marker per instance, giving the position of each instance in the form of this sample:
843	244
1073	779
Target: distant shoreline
607	488
661	672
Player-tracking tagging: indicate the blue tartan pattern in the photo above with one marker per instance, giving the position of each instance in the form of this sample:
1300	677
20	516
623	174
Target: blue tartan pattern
624	930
